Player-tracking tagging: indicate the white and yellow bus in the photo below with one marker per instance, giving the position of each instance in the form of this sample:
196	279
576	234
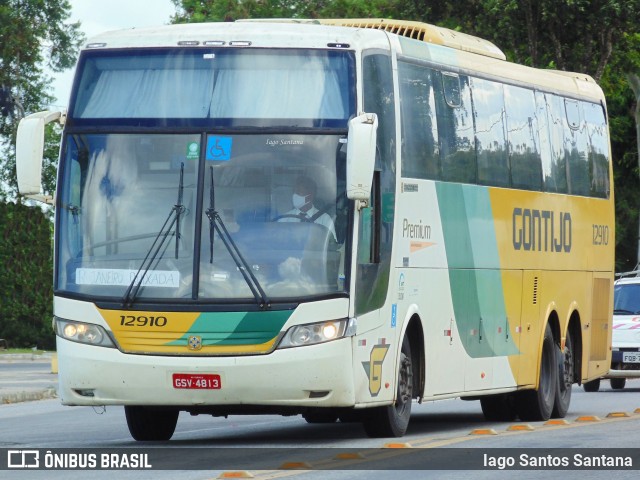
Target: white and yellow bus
329	218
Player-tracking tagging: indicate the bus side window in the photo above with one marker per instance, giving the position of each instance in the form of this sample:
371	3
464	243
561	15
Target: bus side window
523	138
420	153
598	149
455	130
576	147
550	116
490	142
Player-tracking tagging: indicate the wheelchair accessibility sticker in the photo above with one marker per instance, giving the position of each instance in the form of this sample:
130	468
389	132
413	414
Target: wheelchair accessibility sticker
219	148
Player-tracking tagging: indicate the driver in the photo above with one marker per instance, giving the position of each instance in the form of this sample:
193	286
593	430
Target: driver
304	193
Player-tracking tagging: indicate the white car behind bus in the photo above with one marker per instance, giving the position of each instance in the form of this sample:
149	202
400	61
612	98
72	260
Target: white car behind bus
625	342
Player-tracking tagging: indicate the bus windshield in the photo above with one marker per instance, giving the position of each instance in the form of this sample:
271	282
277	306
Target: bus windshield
230	87
272	209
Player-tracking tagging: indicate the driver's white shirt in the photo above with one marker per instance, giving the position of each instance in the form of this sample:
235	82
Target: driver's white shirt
324	219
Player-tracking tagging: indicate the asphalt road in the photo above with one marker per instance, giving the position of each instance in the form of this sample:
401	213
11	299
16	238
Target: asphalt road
440	434
25	377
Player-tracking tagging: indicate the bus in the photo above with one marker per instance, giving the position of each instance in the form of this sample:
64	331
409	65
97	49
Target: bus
458	239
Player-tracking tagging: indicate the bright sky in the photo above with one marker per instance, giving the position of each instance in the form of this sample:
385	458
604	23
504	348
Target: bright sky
99	16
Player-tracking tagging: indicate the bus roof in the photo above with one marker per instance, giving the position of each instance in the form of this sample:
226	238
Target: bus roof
230	34
422	41
424	32
411	39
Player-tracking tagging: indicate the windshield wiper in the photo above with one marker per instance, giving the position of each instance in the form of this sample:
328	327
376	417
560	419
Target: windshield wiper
159	244
216	224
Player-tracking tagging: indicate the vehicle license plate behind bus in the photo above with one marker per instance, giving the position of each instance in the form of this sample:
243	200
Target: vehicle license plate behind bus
631	357
205	381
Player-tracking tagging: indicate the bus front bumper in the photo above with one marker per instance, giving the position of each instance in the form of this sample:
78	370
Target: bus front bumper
311	376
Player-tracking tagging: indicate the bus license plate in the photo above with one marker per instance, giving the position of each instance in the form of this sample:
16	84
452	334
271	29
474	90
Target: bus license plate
200	381
631	357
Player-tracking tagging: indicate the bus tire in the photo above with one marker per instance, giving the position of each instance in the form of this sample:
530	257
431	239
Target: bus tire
538	404
618	383
565	378
498	408
592	386
393	420
146	424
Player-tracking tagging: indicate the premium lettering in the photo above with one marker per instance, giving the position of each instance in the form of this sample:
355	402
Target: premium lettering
416	230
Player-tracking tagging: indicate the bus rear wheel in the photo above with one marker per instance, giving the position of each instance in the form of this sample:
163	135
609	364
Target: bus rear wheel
565	379
148	424
393	420
538	404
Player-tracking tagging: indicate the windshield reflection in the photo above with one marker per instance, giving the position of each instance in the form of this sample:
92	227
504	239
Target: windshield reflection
279	198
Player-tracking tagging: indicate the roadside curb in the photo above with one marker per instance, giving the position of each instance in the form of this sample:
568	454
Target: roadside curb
20	357
24	396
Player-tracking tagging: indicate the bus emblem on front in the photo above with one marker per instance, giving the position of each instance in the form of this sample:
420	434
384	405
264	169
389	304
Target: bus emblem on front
194	343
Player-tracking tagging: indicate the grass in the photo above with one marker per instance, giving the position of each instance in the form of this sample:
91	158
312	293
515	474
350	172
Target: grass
21	350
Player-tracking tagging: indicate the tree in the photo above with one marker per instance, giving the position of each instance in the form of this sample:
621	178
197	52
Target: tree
34	34
621	82
26	289
196	11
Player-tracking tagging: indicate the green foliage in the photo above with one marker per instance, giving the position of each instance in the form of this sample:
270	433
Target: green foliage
197	11
34	34
26	287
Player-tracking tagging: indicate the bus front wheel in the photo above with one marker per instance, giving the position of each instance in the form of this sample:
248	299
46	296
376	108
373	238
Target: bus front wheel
393	420
538	404
147	424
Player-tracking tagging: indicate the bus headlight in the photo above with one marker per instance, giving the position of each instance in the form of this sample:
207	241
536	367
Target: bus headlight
314	333
80	332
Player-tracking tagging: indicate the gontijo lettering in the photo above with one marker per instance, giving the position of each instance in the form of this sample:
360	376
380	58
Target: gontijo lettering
541	230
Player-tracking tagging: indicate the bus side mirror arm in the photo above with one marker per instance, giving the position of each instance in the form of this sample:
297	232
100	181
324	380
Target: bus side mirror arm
30	152
361	157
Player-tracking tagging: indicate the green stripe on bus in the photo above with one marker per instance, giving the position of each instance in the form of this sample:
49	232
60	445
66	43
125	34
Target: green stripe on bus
474	270
236	328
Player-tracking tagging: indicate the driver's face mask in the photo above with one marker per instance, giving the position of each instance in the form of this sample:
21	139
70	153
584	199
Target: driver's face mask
299	201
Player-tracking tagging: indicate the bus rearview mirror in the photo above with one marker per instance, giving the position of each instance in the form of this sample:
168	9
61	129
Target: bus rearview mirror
361	155
29	152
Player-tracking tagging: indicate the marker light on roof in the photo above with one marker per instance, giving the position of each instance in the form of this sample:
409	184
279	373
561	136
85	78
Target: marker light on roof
240	43
188	43
96	45
214	42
